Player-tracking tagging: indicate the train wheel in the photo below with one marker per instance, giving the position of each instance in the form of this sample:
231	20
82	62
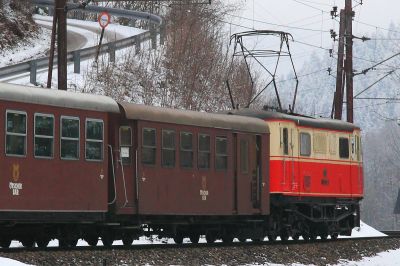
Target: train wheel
107	240
127	240
334	236
242	239
296	236
324	236
92	240
210	238
28	242
5	243
259	239
178	238
227	239
42	242
194	238
272	237
313	236
306	236
284	236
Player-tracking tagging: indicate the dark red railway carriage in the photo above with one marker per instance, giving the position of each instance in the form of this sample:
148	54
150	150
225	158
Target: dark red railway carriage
174	173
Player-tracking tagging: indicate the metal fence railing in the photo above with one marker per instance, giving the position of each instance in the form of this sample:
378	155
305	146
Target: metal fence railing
77	56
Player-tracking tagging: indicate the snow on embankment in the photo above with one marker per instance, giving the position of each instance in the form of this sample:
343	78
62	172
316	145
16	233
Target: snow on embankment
10	262
366	231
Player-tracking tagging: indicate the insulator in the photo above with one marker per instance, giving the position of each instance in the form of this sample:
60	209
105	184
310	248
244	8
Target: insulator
333	34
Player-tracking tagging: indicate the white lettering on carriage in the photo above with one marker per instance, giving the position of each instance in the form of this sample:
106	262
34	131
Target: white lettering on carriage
15	188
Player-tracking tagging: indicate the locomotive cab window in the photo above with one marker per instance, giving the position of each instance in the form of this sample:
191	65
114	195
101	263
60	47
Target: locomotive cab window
70	129
204	151
125	143
168	148
344	148
221	153
186	153
149	146
44	136
16	133
305	144
94	140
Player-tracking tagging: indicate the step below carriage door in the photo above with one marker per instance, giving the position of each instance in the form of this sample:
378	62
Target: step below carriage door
125	166
249	174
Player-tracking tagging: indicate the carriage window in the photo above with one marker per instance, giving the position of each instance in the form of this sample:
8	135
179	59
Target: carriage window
94	139
204	152
168	148
125	143
221	153
44	135
344	148
244	156
70	138
305	144
16	133
285	136
186	154
149	146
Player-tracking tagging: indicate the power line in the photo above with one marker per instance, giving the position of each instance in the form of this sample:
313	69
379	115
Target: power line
277	25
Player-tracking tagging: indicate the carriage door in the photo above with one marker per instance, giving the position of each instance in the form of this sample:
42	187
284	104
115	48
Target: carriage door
288	164
125	170
248	169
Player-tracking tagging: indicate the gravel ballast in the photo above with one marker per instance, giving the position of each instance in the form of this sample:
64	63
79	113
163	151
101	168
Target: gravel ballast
322	253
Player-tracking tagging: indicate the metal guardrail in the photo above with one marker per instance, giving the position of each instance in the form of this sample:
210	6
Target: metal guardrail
76	56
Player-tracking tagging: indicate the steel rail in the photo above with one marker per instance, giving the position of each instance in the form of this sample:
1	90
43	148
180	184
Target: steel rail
192	245
86	53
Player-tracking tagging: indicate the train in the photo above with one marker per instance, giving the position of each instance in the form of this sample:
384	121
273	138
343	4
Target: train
82	166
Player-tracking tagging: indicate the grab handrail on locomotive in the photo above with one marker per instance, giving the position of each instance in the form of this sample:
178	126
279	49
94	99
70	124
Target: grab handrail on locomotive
79	166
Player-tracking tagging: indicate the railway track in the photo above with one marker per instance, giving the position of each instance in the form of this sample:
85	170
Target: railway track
158	246
395	234
319	252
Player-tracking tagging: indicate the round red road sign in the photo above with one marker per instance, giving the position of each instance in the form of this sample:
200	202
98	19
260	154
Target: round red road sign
104	19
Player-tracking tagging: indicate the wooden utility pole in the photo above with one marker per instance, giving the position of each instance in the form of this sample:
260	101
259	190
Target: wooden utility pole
345	64
349	60
61	14
338	101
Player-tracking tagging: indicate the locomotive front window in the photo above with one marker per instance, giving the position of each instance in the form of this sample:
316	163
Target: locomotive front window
149	146
204	152
344	148
221	153
44	135
168	148
16	133
70	138
305	144
186	153
94	139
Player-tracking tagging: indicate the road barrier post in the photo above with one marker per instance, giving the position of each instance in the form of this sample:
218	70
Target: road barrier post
137	44
77	62
111	52
153	36
33	71
162	34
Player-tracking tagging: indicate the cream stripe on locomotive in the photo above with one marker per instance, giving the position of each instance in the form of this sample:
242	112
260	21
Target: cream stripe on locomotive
313	145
